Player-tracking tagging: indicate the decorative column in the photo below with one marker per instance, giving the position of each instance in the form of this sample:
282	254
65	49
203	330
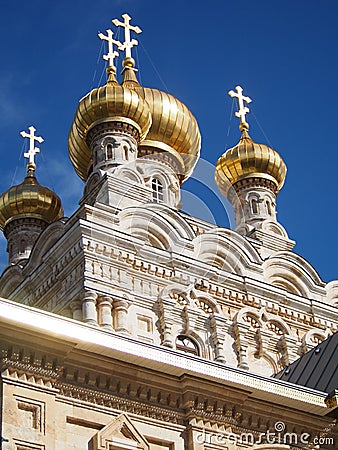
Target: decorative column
121	306
167	305
76	307
291	348
242	344
89	312
191	316
218	325
104	305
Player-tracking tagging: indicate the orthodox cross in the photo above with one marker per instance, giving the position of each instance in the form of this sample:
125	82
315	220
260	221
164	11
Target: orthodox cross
128	43
243	110
32	149
111	42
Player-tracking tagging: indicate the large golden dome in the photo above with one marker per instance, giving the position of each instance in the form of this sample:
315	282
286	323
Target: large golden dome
29	199
174	129
248	159
103	104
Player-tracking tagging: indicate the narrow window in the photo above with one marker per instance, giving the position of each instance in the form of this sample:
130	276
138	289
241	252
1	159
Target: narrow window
187	345
157	188
268	207
126	152
254	206
22	246
109	151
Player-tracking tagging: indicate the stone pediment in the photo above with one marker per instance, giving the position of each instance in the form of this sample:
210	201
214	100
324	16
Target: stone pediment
120	434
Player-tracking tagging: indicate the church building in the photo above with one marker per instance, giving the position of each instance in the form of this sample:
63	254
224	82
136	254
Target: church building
133	325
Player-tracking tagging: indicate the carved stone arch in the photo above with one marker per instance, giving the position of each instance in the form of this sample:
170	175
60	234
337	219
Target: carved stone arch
158	225
277	337
211	304
241	316
170	298
10	280
262	362
246	324
277	321
175	291
227	250
120	434
313	338
293	273
45	241
196	338
290	284
274	227
128	173
92	182
332	292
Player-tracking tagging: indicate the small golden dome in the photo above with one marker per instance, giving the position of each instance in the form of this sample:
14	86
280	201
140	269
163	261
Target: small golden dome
174	129
29	199
103	104
249	160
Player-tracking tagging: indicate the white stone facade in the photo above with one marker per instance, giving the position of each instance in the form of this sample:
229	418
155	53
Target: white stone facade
143	268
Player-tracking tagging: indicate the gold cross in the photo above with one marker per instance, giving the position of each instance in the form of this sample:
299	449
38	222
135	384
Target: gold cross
243	110
111	52
128	43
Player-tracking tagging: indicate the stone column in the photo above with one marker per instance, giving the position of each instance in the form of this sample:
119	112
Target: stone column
242	344
76	307
105	304
166	307
218	325
121	306
89	312
291	348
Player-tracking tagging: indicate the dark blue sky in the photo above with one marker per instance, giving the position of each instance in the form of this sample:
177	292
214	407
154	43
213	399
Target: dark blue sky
284	54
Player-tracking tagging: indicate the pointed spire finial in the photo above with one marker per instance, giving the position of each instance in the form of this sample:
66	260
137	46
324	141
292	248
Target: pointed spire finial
32	149
128	43
242	110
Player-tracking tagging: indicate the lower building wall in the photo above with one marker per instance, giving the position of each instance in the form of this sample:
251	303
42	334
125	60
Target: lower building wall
38	419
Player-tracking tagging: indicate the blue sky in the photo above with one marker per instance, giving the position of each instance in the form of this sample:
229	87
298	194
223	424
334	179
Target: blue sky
284	54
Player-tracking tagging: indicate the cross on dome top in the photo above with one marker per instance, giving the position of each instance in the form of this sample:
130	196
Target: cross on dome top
110	56
128	43
243	110
32	149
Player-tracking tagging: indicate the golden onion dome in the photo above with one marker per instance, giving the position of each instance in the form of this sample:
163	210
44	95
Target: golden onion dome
29	200
104	104
174	129
248	159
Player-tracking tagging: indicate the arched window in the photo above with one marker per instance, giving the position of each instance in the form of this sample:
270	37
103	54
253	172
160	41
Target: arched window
187	345
254	206
157	188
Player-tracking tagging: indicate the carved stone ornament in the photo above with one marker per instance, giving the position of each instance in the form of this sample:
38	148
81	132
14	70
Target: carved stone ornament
119	434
